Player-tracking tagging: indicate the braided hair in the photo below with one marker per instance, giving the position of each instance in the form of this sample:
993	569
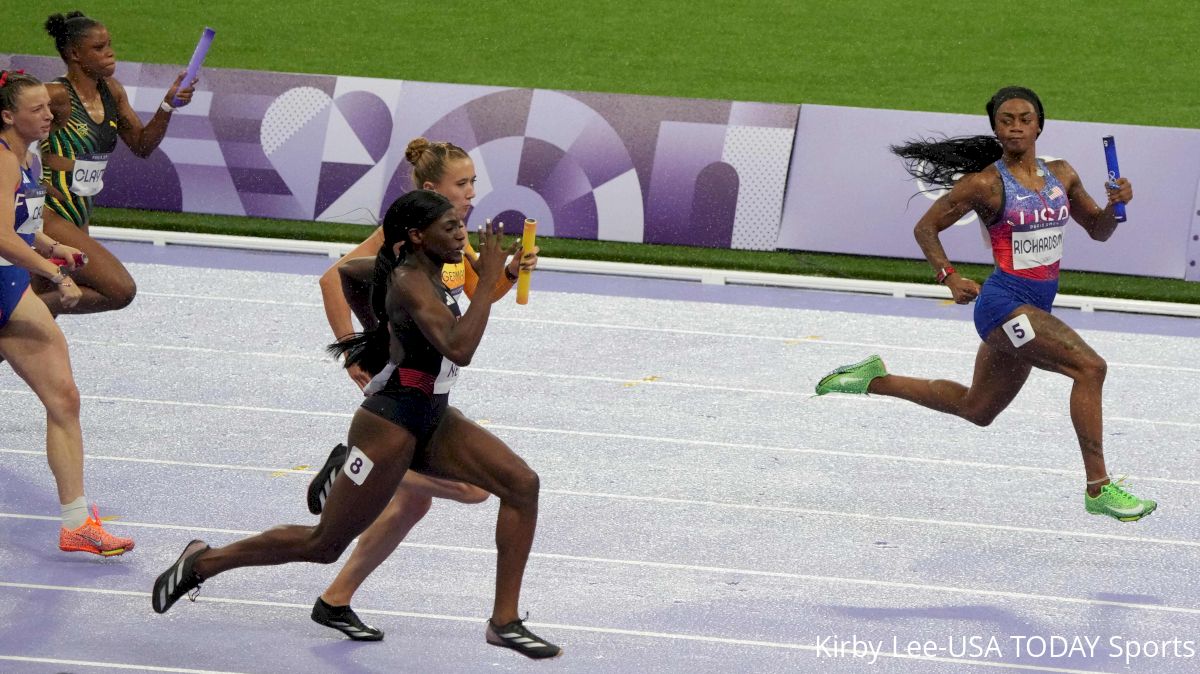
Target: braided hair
941	162
415	210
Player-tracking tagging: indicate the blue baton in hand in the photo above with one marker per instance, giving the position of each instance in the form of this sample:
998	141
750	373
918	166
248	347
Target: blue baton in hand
1110	157
193	67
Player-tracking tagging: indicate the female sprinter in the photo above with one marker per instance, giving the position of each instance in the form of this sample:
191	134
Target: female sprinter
446	169
1026	203
404	422
91	109
29	338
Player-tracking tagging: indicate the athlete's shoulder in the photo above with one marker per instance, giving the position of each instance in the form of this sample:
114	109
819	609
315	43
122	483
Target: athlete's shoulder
115	88
1058	165
60	97
57	90
10	171
980	182
1063	170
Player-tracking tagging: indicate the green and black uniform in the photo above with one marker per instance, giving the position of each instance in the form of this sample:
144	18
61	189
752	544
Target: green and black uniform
88	145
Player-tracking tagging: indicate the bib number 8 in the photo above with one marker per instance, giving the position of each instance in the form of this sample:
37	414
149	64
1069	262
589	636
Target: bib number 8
357	466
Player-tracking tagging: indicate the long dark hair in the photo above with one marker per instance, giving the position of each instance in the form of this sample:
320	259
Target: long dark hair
415	210
940	163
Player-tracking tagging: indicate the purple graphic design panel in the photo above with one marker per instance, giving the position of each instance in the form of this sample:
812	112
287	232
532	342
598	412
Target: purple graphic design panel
590	166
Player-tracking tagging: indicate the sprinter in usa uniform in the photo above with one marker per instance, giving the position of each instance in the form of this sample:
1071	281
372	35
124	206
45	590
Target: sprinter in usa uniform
1026	204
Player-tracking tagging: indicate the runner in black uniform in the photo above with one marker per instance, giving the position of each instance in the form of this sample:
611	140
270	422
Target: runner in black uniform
405	422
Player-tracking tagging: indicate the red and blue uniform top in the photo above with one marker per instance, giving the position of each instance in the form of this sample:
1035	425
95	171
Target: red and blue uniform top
1027	235
30	199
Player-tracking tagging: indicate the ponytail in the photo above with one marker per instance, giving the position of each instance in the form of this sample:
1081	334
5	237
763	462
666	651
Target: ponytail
369	349
940	163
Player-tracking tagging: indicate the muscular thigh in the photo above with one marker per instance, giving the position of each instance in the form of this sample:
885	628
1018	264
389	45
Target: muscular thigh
379	457
461	449
33	344
103	269
1041	340
998	378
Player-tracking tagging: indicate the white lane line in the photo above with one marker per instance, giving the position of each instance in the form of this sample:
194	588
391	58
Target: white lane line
483	370
824	452
165	462
211	406
644	438
239	300
618	380
111	665
1117	538
719	570
678	331
701	638
200	349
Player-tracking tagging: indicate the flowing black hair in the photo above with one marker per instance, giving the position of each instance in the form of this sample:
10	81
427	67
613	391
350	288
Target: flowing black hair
66	29
940	163
418	210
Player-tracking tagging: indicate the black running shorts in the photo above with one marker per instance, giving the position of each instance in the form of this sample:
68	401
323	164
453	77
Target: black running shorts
412	410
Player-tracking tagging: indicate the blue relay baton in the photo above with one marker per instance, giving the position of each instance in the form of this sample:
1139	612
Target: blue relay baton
193	67
1110	157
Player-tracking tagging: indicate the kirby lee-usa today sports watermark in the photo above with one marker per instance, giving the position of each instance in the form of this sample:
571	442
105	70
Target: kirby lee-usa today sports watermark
1007	648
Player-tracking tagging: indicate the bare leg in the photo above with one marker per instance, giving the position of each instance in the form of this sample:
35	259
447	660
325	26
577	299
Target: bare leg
105	282
1001	370
1060	349
998	378
376	544
380	540
37	351
350	509
463	450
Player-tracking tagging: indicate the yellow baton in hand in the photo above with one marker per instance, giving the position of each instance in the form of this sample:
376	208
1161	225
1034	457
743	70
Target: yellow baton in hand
527	239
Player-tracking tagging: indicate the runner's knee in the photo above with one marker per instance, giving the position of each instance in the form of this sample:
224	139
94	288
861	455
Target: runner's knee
324	548
1092	368
521	488
981	417
61	399
406	505
121	294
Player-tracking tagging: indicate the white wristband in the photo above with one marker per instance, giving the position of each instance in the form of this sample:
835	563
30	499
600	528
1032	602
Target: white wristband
166	107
